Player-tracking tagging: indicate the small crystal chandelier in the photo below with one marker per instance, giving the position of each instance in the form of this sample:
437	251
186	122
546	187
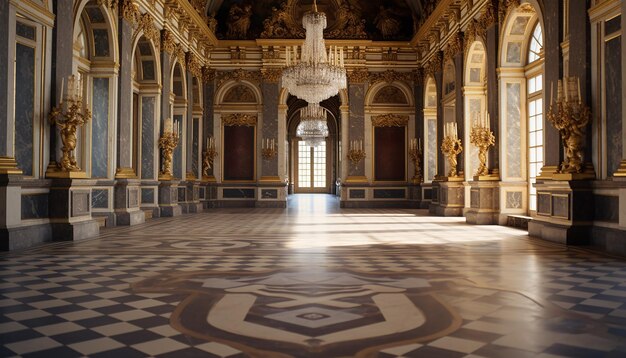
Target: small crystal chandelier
312	128
316	75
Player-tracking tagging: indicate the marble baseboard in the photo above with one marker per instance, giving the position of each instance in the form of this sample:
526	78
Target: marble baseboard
610	240
110	218
155	210
24	237
476	217
235	203
129	217
170	211
195	207
75	231
400	204
562	234
281	204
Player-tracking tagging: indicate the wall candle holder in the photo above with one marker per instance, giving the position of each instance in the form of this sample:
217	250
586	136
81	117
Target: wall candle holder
482	137
356	153
415	153
268	148
208	158
451	147
570	117
168	142
68	116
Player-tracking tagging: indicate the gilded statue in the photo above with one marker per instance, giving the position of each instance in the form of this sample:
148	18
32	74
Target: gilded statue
239	21
281	24
387	23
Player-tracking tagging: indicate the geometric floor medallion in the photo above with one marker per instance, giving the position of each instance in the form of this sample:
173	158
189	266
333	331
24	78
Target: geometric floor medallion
317	313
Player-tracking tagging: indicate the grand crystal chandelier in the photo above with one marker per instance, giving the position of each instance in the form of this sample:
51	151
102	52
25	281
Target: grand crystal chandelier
313	128
316	75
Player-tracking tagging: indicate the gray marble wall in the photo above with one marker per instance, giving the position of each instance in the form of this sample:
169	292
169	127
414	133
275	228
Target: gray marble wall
614	120
148	144
208	93
178	152
493	45
195	146
189	144
100	128
432	149
553	71
513	130
356	124
167	88
459	72
270	125
24	106
6	123
125	112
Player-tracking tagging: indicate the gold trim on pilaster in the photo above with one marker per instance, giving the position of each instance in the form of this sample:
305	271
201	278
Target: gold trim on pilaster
125	173
66	174
547	171
8	165
621	171
361	179
273	179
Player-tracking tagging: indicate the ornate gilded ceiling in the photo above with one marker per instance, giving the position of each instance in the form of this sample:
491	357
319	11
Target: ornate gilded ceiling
395	20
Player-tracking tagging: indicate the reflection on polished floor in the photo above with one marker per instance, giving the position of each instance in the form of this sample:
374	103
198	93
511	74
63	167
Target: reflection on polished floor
311	281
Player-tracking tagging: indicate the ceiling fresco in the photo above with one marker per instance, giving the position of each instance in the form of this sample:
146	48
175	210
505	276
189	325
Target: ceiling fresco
395	20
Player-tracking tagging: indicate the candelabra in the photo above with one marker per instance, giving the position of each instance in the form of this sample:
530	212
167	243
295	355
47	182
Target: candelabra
209	156
415	152
570	117
268	149
168	142
70	114
356	152
482	137
451	147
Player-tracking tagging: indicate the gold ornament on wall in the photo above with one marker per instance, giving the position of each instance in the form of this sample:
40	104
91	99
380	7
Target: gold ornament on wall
359	75
168	142
390	76
71	114
455	46
356	152
168	42
570	117
238	76
239	119
451	147
434	65
181	56
130	12
208	158
415	153
269	148
194	65
271	75
390	120
146	24
481	137
208	74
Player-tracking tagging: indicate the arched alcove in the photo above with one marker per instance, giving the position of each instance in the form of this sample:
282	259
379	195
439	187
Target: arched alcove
475	97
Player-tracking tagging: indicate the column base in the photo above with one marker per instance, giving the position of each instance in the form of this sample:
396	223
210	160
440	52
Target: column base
24	237
450	198
75	231
168	199
171	211
126	199
130	217
484	203
562	234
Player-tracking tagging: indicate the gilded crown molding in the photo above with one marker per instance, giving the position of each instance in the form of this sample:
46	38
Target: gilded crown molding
193	65
240	119
435	64
489	16
168	43
418	75
470	34
390	76
238	75
208	74
146	24
390	120
455	46
181	56
505	7
359	75
130	12
271	75
112	4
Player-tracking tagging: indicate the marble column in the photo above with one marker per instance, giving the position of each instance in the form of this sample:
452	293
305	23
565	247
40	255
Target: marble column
192	186
493	99
208	91
622	169
356	129
127	186
418	93
189	145
459	105
441	159
553	71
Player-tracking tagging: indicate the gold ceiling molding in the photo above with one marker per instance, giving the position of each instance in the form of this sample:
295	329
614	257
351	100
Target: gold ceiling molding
470	34
390	76
208	74
505	7
489	16
239	119
168	43
238	76
359	75
271	75
435	65
180	56
146	24
390	120
193	65
112	4
455	46
130	12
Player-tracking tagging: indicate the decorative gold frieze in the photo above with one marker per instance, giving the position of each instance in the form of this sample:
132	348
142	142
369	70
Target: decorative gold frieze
240	119
434	65
281	24
271	75
167	41
238	75
455	46
193	65
112	4
470	34
505	7
390	120
130	12
146	24
208	74
489	16
418	76
180	55
359	75
390	76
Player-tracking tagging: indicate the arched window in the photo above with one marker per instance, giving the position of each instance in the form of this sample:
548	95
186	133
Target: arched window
535	113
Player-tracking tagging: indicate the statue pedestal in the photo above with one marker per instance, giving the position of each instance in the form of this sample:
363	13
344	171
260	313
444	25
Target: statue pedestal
192	197
126	202
168	199
484	202
564	212
448	197
70	210
272	193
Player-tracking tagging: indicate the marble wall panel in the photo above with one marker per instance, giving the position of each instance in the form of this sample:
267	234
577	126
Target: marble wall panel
614	120
475	198
514	52
178	153
182	194
147	70
475	106
560	206
389	193
356	123
270	124
99	198
80	203
513	130
514	200
100	128
148	145
606	208
24	106
432	148
25	31
428	194
357	193
34	206
147	196
195	146
101	42
232	193
269	194
543	204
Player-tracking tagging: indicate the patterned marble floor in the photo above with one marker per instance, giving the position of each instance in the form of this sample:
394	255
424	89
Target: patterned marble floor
311	281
